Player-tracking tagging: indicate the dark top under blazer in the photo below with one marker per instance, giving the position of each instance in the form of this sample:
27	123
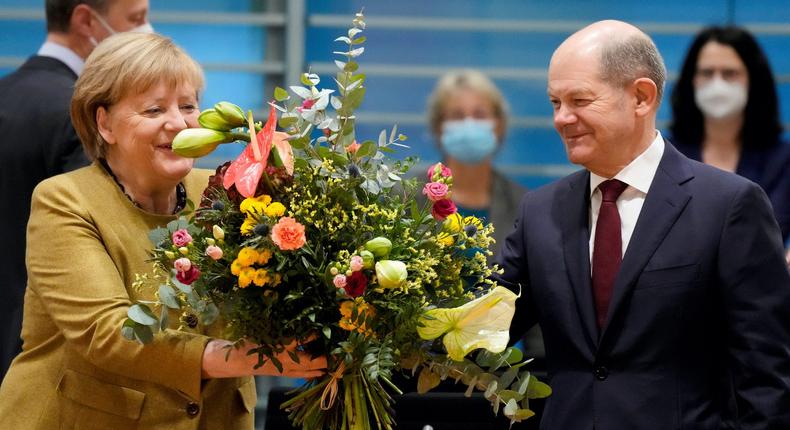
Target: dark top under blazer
37	141
700	309
769	168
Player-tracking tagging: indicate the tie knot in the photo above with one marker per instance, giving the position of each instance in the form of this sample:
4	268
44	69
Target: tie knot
611	189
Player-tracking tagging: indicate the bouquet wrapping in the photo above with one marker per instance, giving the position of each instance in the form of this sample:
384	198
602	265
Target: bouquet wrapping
313	236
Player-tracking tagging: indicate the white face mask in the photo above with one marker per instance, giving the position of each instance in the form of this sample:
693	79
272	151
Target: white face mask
145	28
721	99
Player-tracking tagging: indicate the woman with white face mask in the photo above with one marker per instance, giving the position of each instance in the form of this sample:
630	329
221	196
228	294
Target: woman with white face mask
468	117
725	113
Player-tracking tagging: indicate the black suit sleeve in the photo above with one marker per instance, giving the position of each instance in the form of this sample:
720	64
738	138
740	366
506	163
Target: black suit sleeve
756	295
513	261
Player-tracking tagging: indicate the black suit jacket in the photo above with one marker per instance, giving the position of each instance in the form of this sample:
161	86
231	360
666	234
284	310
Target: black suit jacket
698	331
37	141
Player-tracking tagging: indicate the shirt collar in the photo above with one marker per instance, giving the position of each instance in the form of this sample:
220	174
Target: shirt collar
640	172
64	54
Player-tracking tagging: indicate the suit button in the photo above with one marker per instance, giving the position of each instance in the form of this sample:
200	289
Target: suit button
193	409
601	373
191	320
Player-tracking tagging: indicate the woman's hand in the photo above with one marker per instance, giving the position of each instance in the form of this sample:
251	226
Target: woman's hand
239	363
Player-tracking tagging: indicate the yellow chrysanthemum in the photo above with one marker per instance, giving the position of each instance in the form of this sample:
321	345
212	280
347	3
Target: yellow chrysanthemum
261	277
276	280
364	311
235	267
247	256
246	276
264	256
247	226
473	220
445	239
274	210
255	205
453	223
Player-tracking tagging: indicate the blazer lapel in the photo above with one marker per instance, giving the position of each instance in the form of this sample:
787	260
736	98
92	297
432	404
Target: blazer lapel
575	203
664	202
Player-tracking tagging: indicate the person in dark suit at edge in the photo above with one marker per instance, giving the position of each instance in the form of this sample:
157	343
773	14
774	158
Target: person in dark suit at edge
659	282
38	138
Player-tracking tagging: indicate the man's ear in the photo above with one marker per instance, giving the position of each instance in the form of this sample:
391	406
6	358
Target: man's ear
81	21
103	125
646	93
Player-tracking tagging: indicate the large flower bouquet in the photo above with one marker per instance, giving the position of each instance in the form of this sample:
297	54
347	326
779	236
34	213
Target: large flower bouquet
315	237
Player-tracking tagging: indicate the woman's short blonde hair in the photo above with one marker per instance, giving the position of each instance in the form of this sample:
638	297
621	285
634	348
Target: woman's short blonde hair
125	64
465	79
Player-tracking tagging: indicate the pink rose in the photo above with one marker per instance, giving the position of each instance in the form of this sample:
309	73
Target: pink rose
442	209
288	234
182	264
435	191
339	281
181	238
356	263
188	277
444	172
214	252
356	284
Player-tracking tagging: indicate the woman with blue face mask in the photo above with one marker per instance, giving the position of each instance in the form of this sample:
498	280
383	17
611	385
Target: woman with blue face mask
725	113
468	117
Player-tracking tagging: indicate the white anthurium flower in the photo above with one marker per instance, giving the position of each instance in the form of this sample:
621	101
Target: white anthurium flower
481	323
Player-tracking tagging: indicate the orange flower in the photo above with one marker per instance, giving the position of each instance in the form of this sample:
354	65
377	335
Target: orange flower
288	234
364	311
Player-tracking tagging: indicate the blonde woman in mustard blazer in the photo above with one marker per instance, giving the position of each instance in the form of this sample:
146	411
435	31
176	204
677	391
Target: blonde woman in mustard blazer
87	238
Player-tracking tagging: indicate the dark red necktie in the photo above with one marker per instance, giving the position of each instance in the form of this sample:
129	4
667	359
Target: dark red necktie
607	248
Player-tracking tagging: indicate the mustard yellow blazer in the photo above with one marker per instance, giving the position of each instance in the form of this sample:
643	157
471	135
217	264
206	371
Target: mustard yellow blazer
85	242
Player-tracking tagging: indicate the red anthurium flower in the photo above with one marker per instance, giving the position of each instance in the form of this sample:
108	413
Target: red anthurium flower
246	170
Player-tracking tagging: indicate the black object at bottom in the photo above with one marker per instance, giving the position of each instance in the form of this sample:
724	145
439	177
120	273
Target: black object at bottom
440	411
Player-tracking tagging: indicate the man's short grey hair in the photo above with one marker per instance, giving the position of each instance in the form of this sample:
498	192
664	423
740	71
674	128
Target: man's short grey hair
624	61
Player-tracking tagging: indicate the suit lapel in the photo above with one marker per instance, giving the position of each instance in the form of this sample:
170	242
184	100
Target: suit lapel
575	203
664	202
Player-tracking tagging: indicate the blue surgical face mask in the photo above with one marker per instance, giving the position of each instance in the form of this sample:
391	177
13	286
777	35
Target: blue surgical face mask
469	140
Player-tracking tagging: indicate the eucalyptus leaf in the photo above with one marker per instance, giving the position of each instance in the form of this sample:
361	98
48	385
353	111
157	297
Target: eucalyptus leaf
127	330
164	318
340	65
359	40
510	408
159	235
301	91
383	138
336	103
343	39
367	149
508	377
209	314
143	334
353	32
371	186
537	389
287	121
327	332
392	134
508	395
280	94
141	314
356	52
184	288
168	297
351	67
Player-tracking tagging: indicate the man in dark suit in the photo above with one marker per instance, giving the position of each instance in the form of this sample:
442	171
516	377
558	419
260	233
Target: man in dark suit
659	282
38	140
